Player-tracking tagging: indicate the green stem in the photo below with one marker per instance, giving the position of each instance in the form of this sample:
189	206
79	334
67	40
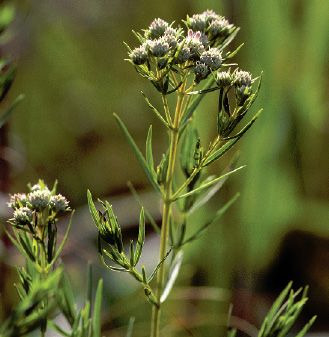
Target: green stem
173	133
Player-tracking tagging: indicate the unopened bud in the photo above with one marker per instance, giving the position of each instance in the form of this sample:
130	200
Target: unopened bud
157	28
212	58
139	55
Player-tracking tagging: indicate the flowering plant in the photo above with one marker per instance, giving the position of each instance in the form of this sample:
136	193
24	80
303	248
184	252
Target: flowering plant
186	63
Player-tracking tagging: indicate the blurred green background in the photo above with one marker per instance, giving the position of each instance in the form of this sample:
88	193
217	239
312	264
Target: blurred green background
70	68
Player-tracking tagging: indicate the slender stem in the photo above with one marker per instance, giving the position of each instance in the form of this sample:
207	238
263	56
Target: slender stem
166	109
173	134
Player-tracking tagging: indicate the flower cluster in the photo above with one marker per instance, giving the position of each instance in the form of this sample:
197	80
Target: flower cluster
240	83
40	200
197	50
215	27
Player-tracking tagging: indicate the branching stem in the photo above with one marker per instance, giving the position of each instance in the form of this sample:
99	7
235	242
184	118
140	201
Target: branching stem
173	139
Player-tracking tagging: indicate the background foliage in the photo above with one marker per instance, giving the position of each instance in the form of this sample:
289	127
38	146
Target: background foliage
71	70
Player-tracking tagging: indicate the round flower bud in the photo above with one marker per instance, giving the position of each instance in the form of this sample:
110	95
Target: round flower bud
201	71
183	55
242	82
157	28
139	55
159	47
210	16
195	44
197	22
17	200
242	78
212	58
39	199
58	203
219	28
170	35
224	79
23	215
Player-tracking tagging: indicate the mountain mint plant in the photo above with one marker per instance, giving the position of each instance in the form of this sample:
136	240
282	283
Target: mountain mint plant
186	62
43	288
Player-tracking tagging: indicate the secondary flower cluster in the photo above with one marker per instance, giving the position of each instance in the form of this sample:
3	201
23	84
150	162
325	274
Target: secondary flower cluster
39	201
198	49
239	83
240	80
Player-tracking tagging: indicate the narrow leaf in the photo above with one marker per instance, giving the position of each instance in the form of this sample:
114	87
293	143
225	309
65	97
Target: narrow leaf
220	152
208	184
98	310
147	213
217	215
229	39
138	154
158	266
92	208
90	283
141	237
130	327
173	273
61	246
247	126
149	152
306	327
155	110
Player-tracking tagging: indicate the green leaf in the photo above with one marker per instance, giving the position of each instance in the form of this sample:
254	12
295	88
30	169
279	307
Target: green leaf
90	282
61	246
234	52
220	152
229	39
155	110
92	209
149	152
141	237
8	112
138	154
231	140
203	199
172	276
67	300
58	329
194	104
21	249
96	323
187	150
144	275
147	213
130	327
158	266
217	215
278	302
203	91
306	327
208	184
247	126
